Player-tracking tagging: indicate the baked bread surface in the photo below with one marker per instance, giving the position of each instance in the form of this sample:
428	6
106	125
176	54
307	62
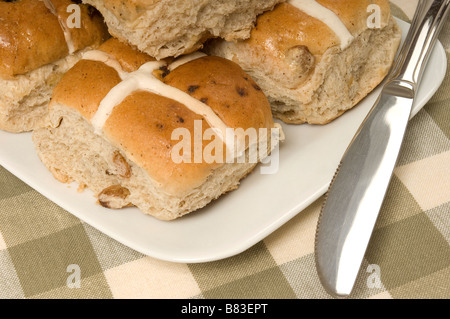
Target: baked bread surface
300	63
165	28
133	153
31	35
34	51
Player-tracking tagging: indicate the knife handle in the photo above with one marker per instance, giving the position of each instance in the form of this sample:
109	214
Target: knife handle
428	21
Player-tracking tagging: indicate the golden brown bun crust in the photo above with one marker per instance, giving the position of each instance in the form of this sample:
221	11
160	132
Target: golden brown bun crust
95	78
45	43
143	123
226	88
354	13
129	58
92	30
301	64
31	35
148	139
286	26
84	86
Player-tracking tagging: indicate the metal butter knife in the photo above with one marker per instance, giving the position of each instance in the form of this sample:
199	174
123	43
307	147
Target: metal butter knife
358	188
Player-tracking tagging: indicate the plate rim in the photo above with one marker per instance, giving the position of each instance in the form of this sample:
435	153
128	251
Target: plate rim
234	250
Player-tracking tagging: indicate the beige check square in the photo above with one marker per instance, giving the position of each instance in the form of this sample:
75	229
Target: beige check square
428	180
10	287
382	295
151	278
295	239
408	7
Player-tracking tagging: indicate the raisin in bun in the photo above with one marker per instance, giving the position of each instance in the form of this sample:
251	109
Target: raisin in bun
113	114
37	46
317	59
164	28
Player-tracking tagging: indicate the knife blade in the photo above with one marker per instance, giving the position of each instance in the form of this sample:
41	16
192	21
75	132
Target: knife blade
357	190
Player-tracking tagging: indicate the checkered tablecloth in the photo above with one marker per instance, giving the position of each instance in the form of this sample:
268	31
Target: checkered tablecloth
409	249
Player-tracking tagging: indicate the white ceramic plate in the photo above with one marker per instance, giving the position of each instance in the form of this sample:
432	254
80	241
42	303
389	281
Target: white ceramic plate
237	220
